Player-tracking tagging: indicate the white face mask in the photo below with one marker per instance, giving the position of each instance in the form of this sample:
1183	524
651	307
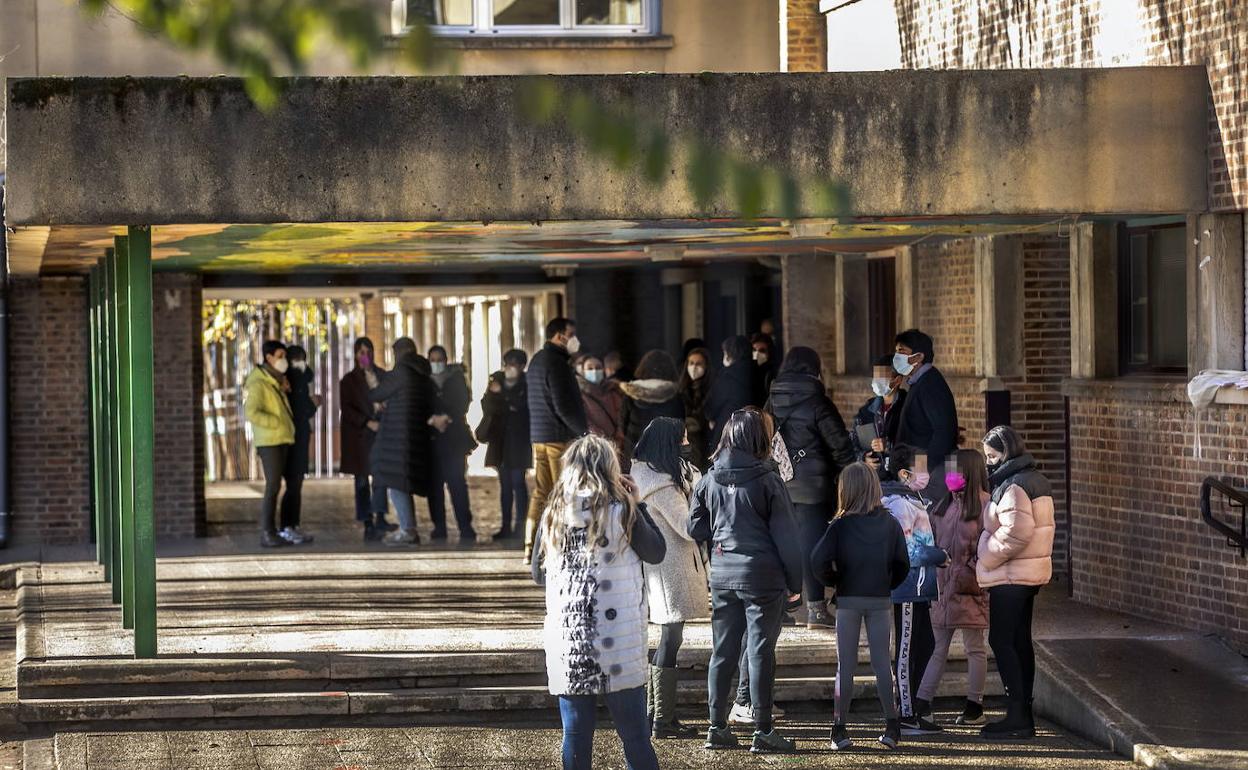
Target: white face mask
300	366
281	365
574	344
512	372
727	362
697	372
437	367
879	386
901	362
594	376
760	357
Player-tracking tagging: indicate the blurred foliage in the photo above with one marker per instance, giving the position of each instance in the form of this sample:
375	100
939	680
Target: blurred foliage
262	39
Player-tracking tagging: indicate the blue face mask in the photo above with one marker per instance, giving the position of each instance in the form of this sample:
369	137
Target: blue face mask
593	376
901	363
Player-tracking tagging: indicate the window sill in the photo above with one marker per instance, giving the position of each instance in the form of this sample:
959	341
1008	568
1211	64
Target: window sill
1156	389
547	42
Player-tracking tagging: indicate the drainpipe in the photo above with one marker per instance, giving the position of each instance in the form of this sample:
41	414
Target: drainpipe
4	375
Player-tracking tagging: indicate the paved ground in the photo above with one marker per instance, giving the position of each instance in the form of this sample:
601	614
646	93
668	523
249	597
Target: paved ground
537	746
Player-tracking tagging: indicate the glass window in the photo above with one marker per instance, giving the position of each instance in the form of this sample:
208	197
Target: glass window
526	13
594	18
615	12
1153	299
457	13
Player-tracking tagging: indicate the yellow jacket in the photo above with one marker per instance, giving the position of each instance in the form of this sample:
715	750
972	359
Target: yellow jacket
268	410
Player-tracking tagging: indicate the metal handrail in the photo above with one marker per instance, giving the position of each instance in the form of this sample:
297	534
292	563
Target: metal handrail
1238	499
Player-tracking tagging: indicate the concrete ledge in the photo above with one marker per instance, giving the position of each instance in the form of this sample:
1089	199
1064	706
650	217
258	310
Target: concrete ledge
1158	390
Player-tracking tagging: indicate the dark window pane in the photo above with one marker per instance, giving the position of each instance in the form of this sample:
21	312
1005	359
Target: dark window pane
1167	268
608	12
881	307
441	12
1138	297
526	12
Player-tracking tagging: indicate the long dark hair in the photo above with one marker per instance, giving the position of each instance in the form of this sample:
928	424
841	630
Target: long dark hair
685	381
746	431
1006	440
659	447
971	465
656	365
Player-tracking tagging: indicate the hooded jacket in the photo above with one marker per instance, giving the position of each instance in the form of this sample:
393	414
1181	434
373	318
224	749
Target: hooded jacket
602	409
743	510
1016	547
910	510
556	414
268	411
961	604
862	555
643	401
819	446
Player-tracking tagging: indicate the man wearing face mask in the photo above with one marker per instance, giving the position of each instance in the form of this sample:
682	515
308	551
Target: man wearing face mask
303	406
272	428
882	411
452	443
734	388
504	428
929	419
556	415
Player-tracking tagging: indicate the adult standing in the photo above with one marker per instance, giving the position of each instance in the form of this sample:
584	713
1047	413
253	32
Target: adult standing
766	364
358	423
402	455
651	394
694	387
819	448
452	443
556	415
303	406
602	399
882	412
929	419
733	388
504	429
1015	558
272	430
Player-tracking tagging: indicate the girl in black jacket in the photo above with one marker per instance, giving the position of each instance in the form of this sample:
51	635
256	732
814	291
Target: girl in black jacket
863	555
819	447
742	509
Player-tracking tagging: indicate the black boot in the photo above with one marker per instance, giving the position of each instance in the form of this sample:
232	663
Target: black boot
1017	725
371	532
666	725
383	526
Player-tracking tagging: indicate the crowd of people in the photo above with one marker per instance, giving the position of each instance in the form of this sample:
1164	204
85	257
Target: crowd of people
678	492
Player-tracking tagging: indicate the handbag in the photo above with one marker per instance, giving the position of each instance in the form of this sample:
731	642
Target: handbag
780	455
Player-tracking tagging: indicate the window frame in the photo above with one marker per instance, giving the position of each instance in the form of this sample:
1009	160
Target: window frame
483	23
1126	367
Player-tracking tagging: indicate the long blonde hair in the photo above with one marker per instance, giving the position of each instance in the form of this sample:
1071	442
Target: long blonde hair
590	477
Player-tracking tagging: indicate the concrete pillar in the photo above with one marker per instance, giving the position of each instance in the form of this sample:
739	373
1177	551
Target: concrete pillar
1094	301
1215	292
808	290
851	308
998	306
428	328
530	335
506	324
446	330
466	314
907	281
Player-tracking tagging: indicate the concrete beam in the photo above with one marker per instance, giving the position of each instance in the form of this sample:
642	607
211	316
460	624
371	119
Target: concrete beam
193	150
1215	292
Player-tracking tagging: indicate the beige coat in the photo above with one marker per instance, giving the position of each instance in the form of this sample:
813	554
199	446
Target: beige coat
1016	547
676	588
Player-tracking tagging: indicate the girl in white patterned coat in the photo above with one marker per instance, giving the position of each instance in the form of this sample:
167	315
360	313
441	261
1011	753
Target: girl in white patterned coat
594	536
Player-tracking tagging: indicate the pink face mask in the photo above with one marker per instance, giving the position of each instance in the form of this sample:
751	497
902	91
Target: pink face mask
365	360
955	482
918	481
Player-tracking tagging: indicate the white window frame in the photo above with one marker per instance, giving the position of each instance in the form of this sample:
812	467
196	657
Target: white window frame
483	26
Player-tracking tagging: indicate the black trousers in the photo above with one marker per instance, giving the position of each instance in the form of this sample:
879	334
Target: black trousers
1009	635
296	467
273	463
756	616
812	522
912	627
673	634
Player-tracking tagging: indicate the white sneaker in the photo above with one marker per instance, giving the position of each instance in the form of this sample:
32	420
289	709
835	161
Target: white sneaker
293	536
402	537
744	715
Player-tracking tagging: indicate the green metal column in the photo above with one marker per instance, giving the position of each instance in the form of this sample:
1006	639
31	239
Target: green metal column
142	438
125	439
114	420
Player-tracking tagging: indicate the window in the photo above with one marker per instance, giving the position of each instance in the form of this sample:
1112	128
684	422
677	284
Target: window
532	17
881	307
1152	299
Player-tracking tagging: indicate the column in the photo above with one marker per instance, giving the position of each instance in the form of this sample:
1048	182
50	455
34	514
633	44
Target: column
1215	292
1093	300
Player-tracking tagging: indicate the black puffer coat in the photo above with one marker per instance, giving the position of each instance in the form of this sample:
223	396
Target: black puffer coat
504	425
402	454
556	412
732	390
819	445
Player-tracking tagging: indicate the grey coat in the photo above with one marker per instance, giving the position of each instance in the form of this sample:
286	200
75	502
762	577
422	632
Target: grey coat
677	586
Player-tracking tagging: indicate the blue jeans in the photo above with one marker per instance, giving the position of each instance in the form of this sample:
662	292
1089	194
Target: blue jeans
449	469
628	711
404	508
513	489
368	499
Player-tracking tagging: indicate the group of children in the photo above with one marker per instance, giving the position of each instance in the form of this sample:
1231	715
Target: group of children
970	561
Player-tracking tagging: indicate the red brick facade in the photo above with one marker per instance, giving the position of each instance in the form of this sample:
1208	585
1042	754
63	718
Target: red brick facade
49	376
803	37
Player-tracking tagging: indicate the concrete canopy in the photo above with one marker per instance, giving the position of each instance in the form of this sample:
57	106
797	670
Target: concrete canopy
908	143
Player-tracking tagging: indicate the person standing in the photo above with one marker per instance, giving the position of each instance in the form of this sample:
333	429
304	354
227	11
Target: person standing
613	365
452	443
733	388
273	430
766	364
303	406
504	429
960	603
1015	558
556	415
882	411
651	394
676	586
591	544
602	399
694	387
819	447
742	510
863	556
358	423
402	455
929	419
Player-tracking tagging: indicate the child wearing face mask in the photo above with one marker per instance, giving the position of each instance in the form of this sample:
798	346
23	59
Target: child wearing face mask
905	475
882	410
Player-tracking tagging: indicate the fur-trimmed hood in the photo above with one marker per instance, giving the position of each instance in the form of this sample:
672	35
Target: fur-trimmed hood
649	391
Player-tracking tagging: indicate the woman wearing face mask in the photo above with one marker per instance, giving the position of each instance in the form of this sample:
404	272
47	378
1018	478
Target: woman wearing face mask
273	430
694	386
303	406
603	400
504	428
358	423
766	365
906	476
961	605
1015	558
882	410
652	394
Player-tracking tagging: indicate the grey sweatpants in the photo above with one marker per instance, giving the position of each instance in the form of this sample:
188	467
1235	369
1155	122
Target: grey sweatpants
879	623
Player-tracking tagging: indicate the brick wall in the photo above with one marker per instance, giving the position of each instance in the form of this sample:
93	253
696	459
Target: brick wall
803	37
1139	544
946	302
49	372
